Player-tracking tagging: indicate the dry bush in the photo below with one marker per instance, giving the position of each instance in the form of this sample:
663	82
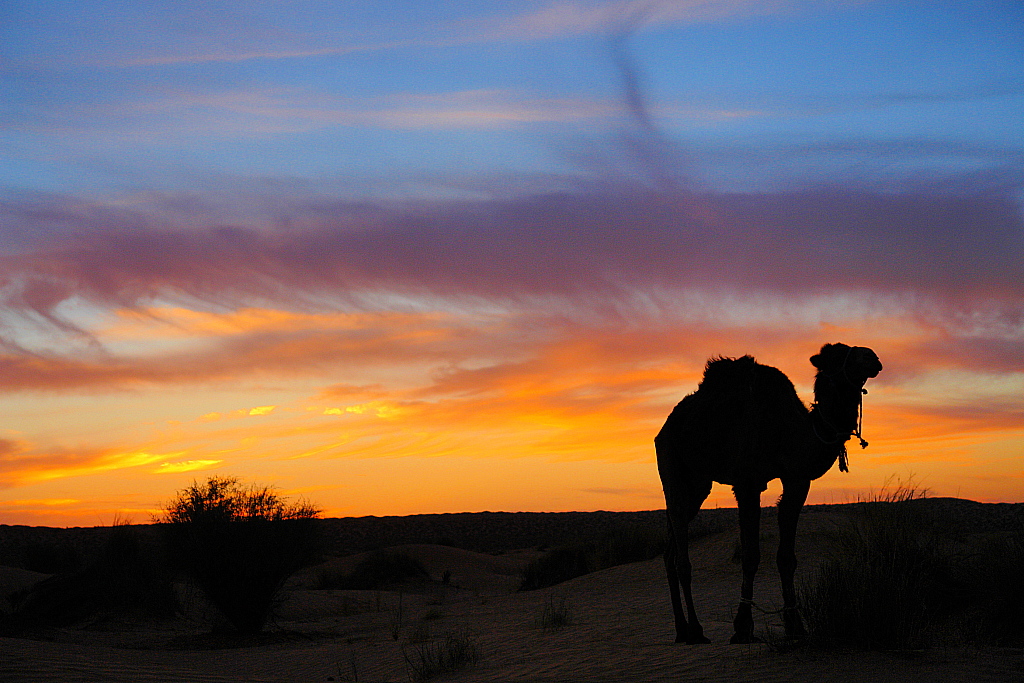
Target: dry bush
621	546
379	569
901	576
996	611
456	651
632	543
239	544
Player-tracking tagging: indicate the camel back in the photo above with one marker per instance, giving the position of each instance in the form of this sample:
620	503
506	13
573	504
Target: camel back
743	378
760	392
743	413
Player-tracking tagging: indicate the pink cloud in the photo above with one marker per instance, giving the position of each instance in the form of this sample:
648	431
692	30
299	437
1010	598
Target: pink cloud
557	244
227	39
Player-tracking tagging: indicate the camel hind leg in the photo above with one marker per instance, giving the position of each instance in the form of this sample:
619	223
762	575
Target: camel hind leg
794	493
677	564
748	499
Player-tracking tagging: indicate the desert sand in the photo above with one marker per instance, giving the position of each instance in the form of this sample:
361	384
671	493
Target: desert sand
620	628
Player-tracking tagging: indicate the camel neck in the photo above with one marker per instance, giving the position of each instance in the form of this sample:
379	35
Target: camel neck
835	409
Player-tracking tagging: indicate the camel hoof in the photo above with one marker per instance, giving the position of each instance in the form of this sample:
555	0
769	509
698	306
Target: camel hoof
794	624
744	638
699	640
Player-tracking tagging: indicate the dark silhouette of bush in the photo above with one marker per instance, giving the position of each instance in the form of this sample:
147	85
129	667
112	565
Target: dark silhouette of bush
637	541
379	569
902	576
559	565
620	546
997	589
239	544
125	578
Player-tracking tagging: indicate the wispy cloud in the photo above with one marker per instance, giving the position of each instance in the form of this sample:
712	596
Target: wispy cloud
312	309
270	54
567	245
186	466
592	386
552	326
566	18
549	21
152	117
39	464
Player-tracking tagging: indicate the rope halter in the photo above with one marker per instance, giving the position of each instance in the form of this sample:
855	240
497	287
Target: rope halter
844	463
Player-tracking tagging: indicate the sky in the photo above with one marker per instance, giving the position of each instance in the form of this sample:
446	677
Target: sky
399	257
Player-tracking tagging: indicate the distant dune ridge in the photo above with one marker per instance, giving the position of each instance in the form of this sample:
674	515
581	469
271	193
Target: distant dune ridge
616	625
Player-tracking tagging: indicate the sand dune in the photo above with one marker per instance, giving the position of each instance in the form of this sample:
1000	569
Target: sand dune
620	630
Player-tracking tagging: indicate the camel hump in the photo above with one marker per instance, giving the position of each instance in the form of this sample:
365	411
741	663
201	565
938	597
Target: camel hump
726	375
744	378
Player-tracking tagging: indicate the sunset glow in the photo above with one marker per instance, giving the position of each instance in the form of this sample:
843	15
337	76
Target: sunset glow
402	259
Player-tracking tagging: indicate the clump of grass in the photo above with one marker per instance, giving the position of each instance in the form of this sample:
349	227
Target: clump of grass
557	613
420	633
397	617
456	651
892	581
379	569
239	544
612	549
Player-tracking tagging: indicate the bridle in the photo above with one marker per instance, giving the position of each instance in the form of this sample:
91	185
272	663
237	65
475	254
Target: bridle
858	429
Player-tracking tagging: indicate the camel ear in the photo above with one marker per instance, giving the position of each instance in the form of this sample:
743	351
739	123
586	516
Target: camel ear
819	359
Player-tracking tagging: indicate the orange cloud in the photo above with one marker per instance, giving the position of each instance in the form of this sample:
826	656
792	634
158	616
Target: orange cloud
186	466
262	410
40	466
578	393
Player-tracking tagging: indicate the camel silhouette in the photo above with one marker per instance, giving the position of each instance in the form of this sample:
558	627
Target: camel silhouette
744	426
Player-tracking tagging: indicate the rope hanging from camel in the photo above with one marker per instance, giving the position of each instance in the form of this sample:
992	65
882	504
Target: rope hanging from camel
844	458
841	438
860	419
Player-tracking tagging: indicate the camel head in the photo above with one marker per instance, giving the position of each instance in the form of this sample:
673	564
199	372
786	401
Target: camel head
856	364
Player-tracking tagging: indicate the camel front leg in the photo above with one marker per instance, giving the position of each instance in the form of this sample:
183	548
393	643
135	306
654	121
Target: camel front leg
673	588
748	499
677	564
794	493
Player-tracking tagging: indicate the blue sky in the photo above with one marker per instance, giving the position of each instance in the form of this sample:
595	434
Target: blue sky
110	94
495	240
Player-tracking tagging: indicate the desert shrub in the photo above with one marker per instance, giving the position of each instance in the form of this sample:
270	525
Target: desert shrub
379	569
892	581
239	544
996	611
558	565
620	546
623	546
454	652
